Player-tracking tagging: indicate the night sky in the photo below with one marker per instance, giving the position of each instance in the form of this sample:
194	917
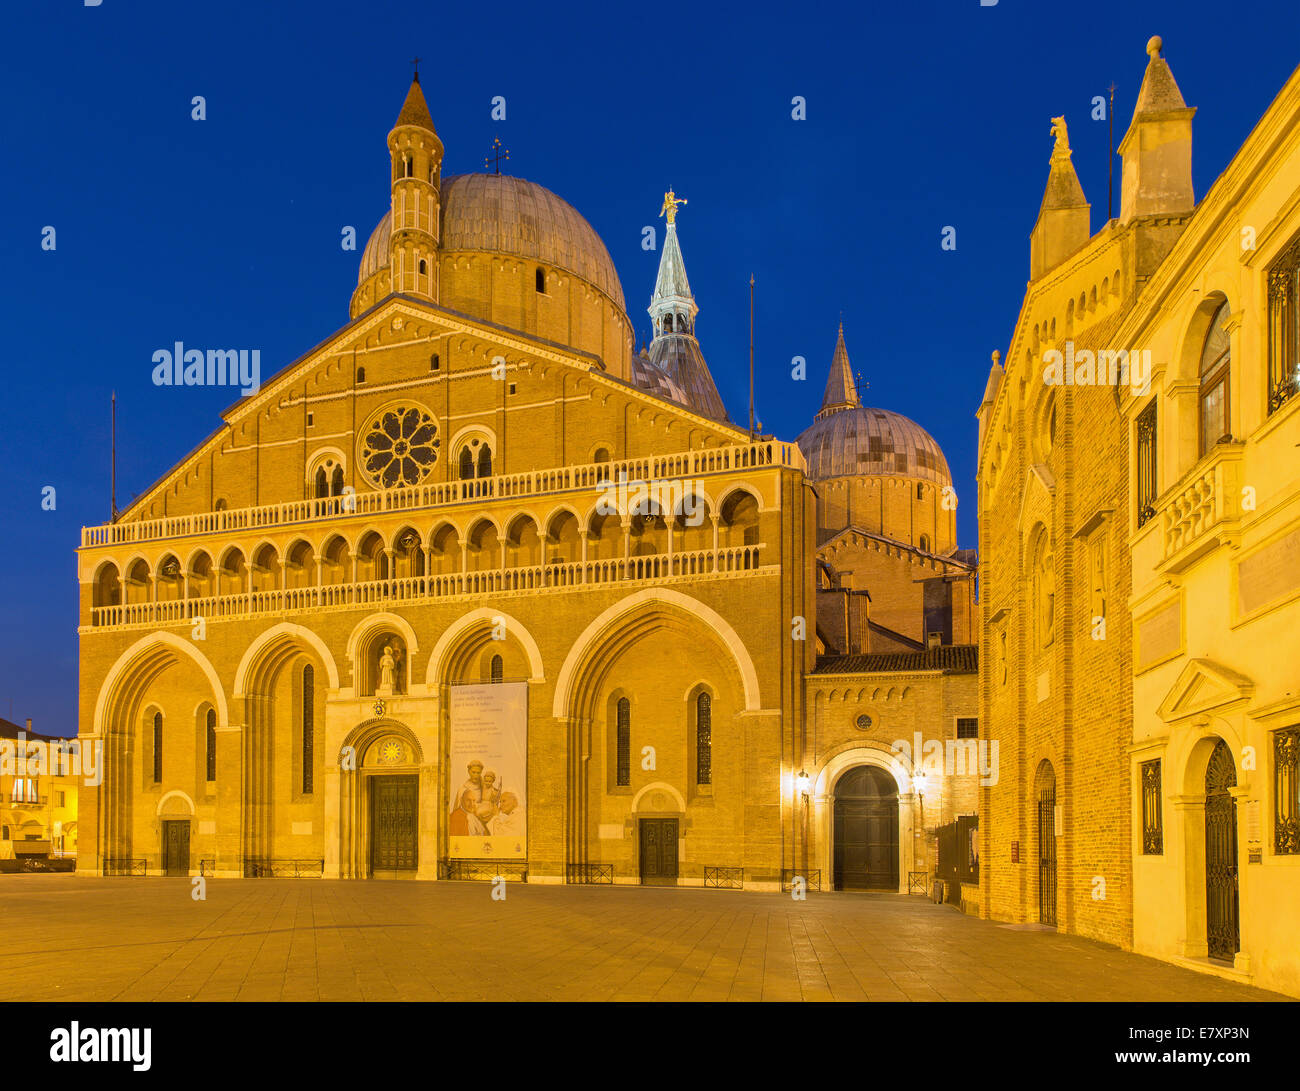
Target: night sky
226	232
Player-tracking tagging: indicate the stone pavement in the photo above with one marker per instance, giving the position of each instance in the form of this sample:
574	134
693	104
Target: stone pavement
78	938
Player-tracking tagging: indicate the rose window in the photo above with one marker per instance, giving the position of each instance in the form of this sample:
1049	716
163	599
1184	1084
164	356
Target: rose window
400	447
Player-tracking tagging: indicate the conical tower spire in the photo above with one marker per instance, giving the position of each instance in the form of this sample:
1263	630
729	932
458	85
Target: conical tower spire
841	390
415	153
1063	224
674	348
672	306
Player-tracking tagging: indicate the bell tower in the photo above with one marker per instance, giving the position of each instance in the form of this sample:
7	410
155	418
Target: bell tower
416	155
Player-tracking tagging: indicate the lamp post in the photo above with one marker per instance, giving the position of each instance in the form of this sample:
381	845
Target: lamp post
919	784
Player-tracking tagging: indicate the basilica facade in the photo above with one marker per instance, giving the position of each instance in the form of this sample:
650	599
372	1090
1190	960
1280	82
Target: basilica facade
474	588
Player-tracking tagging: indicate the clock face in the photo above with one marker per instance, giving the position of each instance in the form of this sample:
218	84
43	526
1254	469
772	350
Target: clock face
391	752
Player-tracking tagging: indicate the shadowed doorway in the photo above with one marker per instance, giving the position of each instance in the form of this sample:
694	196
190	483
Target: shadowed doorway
866	830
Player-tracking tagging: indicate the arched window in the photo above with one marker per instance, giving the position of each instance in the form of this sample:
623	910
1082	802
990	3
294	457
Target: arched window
924	543
322	483
497	669
704	739
211	762
361	375
435	363
475	460
541	280
308	726
920	491
336	482
157	747
623	743
1215	366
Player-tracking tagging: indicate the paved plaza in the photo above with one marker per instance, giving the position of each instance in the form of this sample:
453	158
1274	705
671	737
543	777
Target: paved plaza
77	938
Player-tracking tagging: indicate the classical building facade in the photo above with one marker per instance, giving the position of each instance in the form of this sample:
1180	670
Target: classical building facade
1138	519
475	588
38	794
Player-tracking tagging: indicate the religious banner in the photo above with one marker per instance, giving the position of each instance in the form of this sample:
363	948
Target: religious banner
488	772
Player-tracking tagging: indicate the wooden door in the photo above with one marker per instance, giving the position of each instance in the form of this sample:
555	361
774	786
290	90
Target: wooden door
394	823
176	848
659	850
1047	856
865	834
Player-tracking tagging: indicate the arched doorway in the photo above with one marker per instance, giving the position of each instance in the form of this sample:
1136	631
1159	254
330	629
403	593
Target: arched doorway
865	832
1221	922
1045	784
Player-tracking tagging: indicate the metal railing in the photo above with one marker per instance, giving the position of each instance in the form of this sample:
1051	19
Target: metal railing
593	874
712	460
265	867
812	879
489	871
122	865
725	878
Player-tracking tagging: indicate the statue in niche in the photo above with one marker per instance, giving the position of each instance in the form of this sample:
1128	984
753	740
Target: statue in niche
390	669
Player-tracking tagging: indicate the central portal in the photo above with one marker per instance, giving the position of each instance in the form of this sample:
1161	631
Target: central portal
866	830
659	851
394	824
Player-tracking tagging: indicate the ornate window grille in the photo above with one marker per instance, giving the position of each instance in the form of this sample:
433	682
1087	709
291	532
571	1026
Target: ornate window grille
157	747
497	669
624	742
1153	836
1284	328
704	739
1146	463
211	744
968	727
1286	792
308	727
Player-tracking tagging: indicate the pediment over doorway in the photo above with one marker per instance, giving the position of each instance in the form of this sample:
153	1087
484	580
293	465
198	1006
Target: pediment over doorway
1204	685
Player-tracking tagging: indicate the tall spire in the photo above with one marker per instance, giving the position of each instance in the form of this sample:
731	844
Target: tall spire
841	390
415	111
674	348
672	306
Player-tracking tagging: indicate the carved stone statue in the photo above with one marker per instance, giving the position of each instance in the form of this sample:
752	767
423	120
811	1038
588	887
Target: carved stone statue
671	201
387	669
1062	147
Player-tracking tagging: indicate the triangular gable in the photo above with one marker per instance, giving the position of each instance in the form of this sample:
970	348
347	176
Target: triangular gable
1204	685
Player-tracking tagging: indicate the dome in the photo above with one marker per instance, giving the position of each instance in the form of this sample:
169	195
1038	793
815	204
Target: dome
859	441
494	213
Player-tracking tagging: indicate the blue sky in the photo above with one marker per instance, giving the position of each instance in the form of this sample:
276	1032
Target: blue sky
226	231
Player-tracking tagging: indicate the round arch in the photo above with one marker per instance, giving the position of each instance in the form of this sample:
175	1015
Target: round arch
175	793
284	632
476	619
146	659
372	624
593	633
679	804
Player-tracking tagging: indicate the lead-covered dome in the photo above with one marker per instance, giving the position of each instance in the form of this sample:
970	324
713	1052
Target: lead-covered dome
849	439
497	214
861	440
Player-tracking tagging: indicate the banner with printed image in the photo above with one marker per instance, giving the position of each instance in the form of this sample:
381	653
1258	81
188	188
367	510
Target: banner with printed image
488	776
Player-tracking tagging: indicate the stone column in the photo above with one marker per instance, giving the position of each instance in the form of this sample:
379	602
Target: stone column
230	801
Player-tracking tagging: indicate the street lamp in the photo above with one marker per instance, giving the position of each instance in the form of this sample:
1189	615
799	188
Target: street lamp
802	781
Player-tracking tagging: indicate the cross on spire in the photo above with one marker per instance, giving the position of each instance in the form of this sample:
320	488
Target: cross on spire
415	63
498	154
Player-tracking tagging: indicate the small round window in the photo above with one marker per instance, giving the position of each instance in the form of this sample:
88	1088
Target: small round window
864	722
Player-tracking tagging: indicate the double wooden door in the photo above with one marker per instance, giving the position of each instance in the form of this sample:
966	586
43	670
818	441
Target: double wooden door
394	823
659	850
866	830
176	847
1223	936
